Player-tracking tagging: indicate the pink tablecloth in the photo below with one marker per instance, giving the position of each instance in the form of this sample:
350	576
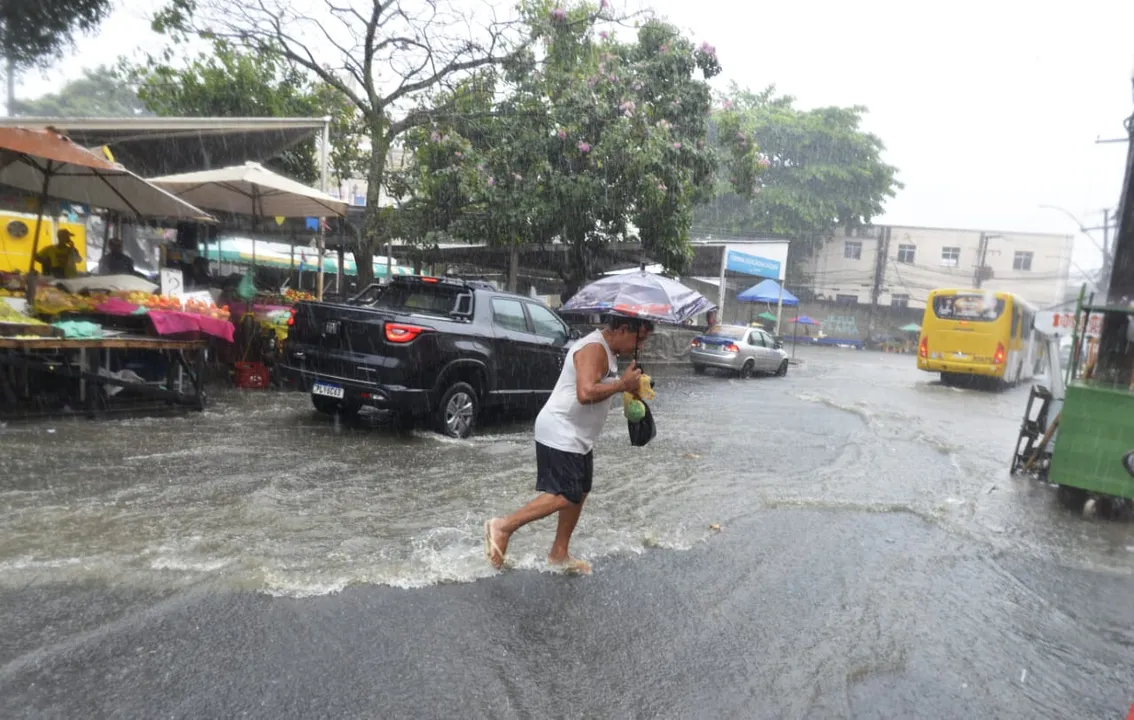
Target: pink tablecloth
168	322
117	306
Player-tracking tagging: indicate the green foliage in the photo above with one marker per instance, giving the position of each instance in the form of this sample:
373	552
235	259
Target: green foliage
99	93
591	140
34	33
823	170
232	82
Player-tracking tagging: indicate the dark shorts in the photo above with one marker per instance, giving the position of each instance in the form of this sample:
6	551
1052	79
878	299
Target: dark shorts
564	473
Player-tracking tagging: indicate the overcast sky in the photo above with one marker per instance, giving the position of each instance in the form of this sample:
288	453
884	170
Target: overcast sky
989	109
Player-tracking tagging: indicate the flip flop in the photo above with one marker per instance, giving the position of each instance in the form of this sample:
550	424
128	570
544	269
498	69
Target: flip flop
490	547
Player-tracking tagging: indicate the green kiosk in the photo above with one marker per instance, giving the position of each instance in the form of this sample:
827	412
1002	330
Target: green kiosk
1079	433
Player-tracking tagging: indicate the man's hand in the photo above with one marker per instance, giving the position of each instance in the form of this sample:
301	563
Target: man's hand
631	379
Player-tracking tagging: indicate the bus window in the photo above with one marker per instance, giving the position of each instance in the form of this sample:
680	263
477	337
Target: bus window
987	308
1015	325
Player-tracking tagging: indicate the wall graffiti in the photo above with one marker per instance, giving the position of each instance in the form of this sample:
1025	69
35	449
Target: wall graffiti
845	326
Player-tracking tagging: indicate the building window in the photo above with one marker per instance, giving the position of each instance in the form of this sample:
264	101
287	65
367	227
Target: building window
906	254
852	250
1022	261
899	300
846	299
950	256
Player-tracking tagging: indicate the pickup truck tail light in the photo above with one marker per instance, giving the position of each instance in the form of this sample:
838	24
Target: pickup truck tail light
399	333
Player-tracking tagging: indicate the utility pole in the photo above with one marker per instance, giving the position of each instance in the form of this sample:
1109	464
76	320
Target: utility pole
982	253
881	259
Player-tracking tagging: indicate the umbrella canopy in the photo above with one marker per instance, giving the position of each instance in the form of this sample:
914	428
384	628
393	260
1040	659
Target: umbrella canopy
51	165
767	316
767	291
804	320
912	327
251	189
642	295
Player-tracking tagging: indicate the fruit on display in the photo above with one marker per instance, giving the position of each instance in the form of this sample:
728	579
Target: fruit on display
53	301
11	316
292	295
200	307
12	284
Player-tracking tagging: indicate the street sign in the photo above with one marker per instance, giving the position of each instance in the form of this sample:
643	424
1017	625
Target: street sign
752	265
1063	324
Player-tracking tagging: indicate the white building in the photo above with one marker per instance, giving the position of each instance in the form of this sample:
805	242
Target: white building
900	265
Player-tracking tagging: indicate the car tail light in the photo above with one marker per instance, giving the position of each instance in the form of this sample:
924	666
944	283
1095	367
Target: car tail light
696	342
731	347
430	280
399	333
291	318
923	348
998	358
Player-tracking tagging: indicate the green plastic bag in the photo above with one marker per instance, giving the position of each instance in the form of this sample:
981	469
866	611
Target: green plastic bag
79	329
246	289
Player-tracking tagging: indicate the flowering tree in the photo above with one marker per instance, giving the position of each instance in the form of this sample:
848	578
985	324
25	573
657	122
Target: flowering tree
595	140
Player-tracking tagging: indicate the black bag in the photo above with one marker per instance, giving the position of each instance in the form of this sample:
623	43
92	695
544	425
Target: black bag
643	431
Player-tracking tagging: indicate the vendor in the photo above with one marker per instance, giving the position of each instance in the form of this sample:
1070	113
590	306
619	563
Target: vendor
198	276
60	260
114	261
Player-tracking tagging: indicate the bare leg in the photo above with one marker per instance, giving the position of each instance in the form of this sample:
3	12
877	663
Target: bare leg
568	518
502	528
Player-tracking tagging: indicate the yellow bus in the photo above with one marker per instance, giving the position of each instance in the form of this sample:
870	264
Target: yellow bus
978	333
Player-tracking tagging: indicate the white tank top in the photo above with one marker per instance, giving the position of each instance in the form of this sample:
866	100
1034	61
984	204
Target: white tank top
566	424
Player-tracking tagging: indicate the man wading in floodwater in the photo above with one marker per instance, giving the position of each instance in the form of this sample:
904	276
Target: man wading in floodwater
565	434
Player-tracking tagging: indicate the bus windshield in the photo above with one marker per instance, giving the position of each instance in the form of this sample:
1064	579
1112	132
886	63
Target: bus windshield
974	307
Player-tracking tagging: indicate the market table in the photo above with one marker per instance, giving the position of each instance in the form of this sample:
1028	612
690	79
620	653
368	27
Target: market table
52	355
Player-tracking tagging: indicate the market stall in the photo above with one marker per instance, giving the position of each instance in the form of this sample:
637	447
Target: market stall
251	189
61	362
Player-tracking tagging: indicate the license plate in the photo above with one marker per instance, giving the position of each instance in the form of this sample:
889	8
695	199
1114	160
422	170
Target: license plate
326	390
331	327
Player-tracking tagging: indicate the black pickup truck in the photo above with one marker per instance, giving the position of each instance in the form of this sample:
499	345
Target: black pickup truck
424	348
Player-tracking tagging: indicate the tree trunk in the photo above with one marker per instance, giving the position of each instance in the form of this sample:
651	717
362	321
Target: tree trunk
364	252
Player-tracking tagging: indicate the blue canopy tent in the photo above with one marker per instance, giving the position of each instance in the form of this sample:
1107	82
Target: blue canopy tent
767	291
771	293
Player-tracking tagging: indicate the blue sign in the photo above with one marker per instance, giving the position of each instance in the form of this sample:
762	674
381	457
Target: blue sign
752	265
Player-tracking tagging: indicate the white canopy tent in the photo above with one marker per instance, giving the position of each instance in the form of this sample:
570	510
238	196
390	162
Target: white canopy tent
252	189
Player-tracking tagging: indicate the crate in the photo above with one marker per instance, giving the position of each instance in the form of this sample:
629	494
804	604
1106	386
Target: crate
251	375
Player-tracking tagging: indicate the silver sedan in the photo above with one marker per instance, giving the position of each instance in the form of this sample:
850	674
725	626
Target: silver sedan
742	350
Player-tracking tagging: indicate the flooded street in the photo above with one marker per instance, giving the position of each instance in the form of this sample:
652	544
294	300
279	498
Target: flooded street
875	560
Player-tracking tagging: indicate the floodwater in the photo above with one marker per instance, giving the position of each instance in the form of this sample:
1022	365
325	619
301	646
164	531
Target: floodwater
857	498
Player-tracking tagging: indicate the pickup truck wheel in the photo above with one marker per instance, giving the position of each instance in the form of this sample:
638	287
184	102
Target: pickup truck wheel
458	410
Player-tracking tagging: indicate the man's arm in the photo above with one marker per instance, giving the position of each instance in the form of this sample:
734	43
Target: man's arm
591	368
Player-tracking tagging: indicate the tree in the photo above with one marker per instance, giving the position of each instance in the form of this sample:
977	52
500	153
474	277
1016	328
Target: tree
823	170
33	33
596	140
233	82
101	92
389	58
